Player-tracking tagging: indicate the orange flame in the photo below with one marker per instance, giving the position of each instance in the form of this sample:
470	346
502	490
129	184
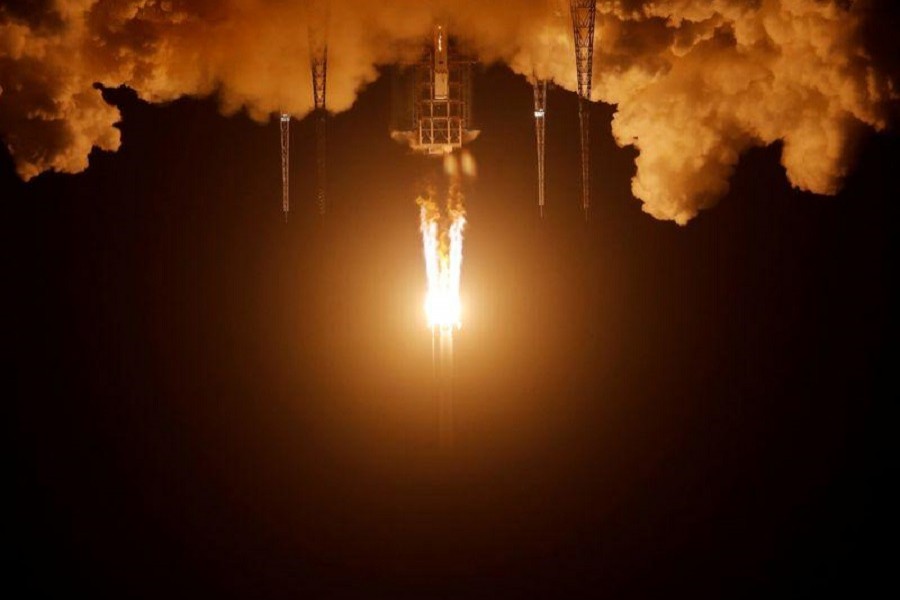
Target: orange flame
442	241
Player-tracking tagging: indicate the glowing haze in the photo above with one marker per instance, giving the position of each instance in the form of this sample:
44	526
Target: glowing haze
695	84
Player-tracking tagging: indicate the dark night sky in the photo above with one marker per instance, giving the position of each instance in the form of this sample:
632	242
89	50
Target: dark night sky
207	402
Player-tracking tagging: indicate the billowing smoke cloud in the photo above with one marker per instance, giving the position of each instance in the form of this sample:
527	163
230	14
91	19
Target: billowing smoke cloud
695	82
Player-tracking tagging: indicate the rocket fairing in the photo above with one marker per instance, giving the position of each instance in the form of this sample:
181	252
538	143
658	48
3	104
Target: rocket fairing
441	69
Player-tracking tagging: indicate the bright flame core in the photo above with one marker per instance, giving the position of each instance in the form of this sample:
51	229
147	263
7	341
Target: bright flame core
442	246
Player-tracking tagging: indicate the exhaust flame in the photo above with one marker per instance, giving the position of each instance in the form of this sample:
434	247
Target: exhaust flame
442	240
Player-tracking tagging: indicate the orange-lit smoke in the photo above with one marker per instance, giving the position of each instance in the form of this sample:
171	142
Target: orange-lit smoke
442	244
695	84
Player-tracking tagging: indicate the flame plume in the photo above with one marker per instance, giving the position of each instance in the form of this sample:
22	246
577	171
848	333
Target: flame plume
442	241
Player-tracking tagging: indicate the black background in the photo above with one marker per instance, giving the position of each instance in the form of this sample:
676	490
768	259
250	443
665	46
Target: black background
209	402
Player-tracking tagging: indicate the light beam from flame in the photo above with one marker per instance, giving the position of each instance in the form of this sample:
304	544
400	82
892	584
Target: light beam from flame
442	242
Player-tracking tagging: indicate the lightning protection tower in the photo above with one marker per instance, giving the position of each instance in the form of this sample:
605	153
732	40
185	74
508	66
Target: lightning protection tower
285	163
584	13
540	112
318	52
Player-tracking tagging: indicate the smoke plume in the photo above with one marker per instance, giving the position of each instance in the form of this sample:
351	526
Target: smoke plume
695	83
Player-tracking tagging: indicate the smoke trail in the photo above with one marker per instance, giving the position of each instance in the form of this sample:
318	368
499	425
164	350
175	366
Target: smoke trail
695	84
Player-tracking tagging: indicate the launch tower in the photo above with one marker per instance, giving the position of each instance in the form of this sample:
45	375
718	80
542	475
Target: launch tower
433	103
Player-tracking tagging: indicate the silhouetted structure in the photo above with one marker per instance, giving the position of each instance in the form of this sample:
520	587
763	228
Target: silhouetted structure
584	13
